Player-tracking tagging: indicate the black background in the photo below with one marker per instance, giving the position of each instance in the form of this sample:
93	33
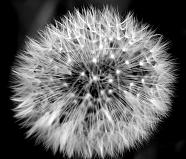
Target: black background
167	17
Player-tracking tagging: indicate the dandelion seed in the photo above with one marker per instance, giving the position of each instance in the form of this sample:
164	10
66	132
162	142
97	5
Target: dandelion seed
127	62
142	81
82	74
110	80
112	56
93	84
94	60
118	71
131	84
141	63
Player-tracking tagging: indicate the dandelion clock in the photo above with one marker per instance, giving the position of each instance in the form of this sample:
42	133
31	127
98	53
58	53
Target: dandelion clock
93	84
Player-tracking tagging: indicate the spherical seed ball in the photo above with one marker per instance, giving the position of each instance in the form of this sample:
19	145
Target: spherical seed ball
93	83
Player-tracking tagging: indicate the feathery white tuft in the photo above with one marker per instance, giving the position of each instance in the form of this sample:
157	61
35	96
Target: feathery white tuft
93	83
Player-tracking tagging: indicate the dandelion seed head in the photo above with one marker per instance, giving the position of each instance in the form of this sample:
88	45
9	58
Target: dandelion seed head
93	83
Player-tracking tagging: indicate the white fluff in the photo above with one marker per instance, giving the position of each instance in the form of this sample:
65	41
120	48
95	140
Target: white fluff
139	88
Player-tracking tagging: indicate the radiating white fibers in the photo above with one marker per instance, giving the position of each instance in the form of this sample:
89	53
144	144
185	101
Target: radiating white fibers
93	84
